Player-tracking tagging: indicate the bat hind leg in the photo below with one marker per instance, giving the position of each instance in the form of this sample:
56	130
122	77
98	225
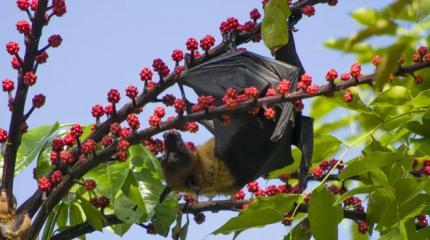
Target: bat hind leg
303	139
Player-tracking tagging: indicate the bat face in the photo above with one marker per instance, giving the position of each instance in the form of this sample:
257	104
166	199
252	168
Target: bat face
177	155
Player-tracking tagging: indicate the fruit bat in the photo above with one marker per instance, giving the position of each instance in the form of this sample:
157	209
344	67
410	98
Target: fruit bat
251	146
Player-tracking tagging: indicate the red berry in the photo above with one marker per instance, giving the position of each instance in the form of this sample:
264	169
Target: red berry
90	184
3	135
89	146
306	79
23	4
332	2
422	50
271	92
44	184
418	79
260	193
15	63
115	129
206	101
355	70
169	99
191	146
191	127
230	102
426	170
255	14
283	87
8	85
95	202
298	105
190	199
103	201
54	157
317	172
179	105
253	187
347	96
23	27
69	140
376	60
12	48
362	227
146	74
207	42
113	96
97	111
416	57
192	44
30	78
272	190
345	77
177	55
251	92
108	109
56	177
57	144
309	10
422	221
55	40
179	70
66	157
39	100
154	121
121	156
107	141
160	111
41	58
285	177
269	113
426	58
331	75
131	91
199	218
312	90
76	130
231	24
231	93
33	4
133	121
59	7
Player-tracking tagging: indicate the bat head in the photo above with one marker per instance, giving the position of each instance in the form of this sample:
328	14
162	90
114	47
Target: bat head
176	155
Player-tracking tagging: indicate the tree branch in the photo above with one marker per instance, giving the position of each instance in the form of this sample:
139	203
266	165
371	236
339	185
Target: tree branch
17	118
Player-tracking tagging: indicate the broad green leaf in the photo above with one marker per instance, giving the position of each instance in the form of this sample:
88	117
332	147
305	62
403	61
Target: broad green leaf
50	223
131	190
300	232
355	191
120	229
147	172
374	160
392	235
93	215
184	230
325	147
274	28
31	144
165	215
260	212
127	211
365	16
422	99
396	95
109	177
76	215
321	108
423	9
63	215
356	104
382	26
323	215
389	63
297	156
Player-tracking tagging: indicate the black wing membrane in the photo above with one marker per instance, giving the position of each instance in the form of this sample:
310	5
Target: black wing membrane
251	146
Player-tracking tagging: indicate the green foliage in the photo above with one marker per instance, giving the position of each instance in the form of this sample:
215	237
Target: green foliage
274	27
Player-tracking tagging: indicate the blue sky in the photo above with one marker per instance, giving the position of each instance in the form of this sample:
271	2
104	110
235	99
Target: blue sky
106	43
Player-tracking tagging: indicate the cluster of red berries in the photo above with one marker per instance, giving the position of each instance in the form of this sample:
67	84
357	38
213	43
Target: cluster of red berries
160	67
331	75
8	85
44	184
59	7
23	26
42	57
192	44
207	42
363	227
229	25
55	40
354	203
90	184
425	167
309	10
305	84
190	199
100	202
29	78
422	220
325	166
206	102
254	14
199	218
156	146
177	56
3	135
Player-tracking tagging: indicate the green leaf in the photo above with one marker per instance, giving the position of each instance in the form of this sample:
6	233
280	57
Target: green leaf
50	223
120	229
109	177
300	232
396	95
423	9
325	146
356	104
147	172
127	211
63	215
374	160
260	212
323	215
93	215
365	16
382	26
165	215
421	100
31	144
75	215
389	63
355	191
274	28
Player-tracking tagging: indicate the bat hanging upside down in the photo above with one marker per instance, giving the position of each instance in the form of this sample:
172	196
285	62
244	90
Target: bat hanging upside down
251	146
